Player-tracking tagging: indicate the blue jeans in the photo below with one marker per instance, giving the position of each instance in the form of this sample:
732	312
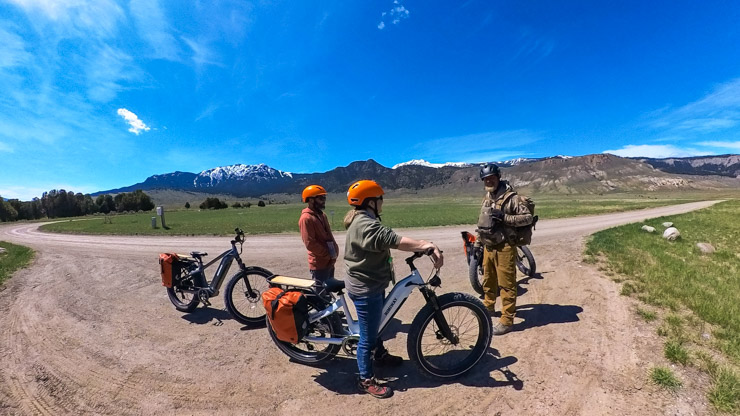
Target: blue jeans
322	274
369	311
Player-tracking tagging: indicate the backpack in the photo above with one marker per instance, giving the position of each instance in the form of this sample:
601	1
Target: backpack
522	235
493	233
287	313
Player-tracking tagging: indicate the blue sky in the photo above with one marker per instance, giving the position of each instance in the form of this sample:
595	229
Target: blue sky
101	94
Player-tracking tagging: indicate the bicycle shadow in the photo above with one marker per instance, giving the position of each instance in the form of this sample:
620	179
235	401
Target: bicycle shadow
205	315
341	374
541	314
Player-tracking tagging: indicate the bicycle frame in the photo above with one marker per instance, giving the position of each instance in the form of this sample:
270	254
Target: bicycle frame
227	258
392	303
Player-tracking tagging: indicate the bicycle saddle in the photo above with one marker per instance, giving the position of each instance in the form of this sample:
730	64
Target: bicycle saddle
198	254
334	285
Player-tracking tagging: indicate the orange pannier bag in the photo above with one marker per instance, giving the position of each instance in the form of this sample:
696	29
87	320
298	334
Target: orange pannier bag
287	313
167	264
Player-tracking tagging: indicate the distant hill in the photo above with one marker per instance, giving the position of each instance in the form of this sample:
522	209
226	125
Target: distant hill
723	165
596	173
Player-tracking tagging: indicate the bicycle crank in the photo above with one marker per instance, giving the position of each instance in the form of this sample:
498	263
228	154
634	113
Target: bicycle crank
349	345
203	296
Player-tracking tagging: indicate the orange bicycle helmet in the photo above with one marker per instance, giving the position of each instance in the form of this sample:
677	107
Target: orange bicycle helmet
361	190
312	191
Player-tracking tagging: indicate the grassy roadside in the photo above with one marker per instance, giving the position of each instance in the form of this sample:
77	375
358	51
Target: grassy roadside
695	297
399	212
15	257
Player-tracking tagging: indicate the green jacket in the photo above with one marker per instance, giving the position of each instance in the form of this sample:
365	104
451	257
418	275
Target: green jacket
367	255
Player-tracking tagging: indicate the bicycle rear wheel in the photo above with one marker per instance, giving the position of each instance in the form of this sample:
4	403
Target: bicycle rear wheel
183	301
311	352
434	354
525	261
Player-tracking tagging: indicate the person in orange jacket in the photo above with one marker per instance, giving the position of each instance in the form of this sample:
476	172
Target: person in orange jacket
316	234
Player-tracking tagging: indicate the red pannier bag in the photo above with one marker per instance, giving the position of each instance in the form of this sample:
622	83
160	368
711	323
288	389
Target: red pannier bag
287	313
168	267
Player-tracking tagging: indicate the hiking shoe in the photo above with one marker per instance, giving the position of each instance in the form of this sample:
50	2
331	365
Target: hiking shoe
501	329
385	359
374	389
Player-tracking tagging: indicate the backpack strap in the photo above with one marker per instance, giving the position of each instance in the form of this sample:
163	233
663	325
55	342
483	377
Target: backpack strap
503	199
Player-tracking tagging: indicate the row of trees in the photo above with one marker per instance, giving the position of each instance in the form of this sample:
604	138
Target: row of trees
62	204
215	203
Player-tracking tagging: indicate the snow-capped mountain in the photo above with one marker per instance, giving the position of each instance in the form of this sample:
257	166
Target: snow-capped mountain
257	173
422	162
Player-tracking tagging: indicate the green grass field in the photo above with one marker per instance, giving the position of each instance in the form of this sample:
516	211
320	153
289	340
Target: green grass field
698	289
399	212
14	258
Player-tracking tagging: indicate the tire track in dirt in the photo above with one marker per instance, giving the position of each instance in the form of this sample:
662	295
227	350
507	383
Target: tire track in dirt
88	329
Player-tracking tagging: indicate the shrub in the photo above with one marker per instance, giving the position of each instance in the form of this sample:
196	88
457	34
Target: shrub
261	203
213	203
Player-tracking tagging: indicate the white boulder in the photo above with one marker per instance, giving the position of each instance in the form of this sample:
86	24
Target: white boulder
705	248
648	228
667	224
671	234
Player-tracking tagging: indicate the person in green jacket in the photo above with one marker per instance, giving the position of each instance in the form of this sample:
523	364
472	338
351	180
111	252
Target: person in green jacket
368	259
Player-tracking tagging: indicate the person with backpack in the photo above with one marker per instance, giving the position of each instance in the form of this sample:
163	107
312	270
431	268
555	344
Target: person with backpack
501	213
370	269
316	234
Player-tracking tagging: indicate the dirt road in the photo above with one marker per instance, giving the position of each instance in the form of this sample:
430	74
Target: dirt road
88	329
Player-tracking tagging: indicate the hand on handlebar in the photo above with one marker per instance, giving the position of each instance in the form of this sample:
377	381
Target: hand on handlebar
436	254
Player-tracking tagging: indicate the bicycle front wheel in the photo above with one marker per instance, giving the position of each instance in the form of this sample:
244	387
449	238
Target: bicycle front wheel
433	353
243	296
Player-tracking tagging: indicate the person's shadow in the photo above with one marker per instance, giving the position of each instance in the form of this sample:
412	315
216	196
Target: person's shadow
203	316
340	375
541	314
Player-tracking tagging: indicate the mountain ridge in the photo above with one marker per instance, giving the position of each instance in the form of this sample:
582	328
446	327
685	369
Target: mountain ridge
564	174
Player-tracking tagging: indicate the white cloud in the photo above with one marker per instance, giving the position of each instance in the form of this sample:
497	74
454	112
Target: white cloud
655	151
477	147
137	126
13	50
75	18
397	13
154	28
202	54
718	110
722	145
107	71
5	148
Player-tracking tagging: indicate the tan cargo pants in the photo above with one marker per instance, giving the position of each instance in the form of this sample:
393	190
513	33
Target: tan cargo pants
499	275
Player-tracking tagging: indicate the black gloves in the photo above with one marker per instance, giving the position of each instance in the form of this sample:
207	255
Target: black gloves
497	215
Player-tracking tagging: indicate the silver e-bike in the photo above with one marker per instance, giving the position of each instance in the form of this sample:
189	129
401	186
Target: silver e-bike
448	336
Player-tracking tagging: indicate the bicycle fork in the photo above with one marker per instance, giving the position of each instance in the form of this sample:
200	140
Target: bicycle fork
444	328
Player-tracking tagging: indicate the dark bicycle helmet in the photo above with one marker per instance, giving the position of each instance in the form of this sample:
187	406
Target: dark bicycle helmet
489	170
